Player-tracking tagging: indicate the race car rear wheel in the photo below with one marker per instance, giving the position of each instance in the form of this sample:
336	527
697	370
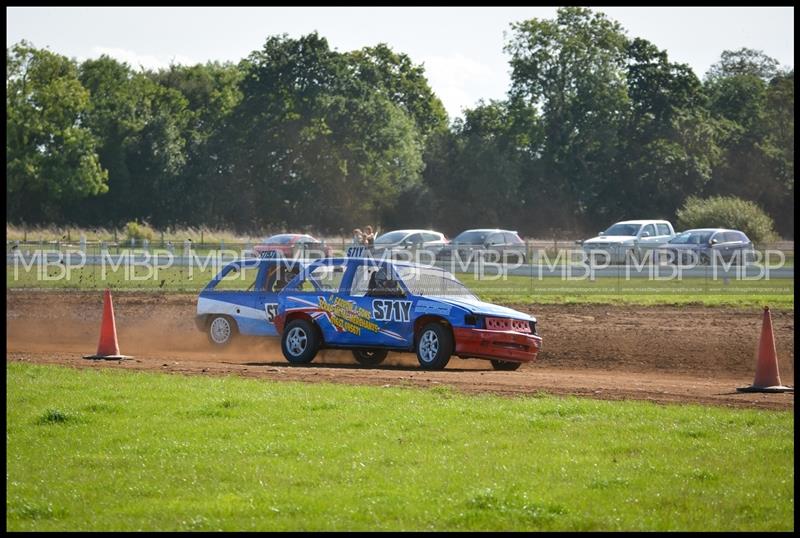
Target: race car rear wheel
434	346
505	366
300	342
370	357
221	330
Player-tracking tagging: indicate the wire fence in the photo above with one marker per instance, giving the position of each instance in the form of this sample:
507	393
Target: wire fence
535	251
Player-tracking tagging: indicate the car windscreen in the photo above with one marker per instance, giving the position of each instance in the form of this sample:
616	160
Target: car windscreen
691	238
471	238
281	239
433	282
623	229
308	239
390	237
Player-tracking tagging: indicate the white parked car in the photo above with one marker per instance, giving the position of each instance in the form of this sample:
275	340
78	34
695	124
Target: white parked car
629	238
400	240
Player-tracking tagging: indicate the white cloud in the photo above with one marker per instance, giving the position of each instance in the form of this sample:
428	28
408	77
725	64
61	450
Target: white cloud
460	81
146	61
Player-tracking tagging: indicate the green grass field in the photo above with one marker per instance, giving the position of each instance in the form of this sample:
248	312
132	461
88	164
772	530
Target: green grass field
777	293
110	450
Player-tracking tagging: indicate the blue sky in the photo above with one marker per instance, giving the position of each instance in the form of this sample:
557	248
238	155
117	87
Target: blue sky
461	48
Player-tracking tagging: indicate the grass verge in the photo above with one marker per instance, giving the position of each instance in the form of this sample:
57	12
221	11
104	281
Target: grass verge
110	450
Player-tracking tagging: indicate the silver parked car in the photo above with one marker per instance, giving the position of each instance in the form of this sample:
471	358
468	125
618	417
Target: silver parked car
707	245
493	244
409	240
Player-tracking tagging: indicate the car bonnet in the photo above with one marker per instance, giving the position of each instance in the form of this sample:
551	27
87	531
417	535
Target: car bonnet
480	307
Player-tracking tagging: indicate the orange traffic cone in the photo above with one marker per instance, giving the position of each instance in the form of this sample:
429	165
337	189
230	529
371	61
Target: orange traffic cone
108	348
767	377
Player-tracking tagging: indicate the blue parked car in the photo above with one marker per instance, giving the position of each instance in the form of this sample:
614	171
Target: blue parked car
375	306
243	298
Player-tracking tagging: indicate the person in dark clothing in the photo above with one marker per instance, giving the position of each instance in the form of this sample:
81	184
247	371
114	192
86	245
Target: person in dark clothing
369	237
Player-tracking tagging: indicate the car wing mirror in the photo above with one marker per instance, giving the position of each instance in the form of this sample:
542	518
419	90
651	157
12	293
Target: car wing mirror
645	234
713	242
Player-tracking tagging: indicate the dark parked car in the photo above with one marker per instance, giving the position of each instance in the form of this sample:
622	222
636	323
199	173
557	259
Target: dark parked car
705	245
493	244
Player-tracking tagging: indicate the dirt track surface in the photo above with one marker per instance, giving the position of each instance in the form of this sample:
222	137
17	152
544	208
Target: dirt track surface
660	354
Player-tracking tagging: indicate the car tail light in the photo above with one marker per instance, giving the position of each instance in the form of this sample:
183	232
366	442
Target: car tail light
507	324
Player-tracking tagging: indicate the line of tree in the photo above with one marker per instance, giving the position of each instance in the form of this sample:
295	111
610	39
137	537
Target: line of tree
596	127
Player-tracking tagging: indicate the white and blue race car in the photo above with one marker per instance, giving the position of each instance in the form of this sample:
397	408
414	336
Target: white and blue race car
243	298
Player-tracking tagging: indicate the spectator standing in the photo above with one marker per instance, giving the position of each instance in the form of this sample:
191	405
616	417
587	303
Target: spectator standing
369	237
358	237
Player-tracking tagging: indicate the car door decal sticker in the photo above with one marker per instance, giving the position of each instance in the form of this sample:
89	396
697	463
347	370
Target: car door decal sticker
347	316
271	309
391	310
342	314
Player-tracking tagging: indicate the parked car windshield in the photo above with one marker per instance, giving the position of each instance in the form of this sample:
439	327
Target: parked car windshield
623	229
433	282
691	238
471	238
390	237
280	239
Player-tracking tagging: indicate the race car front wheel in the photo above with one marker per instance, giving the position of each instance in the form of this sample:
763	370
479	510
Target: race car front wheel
505	365
300	342
370	357
221	330
434	346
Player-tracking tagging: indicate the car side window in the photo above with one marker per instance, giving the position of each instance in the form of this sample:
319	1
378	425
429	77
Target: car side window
326	278
663	229
431	237
382	283
238	278
650	229
732	237
279	277
495	239
512	239
361	280
414	239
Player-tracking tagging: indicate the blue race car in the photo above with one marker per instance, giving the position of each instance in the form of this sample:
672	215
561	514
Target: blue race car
375	306
243	299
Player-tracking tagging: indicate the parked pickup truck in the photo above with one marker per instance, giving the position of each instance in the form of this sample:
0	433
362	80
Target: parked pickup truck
629	239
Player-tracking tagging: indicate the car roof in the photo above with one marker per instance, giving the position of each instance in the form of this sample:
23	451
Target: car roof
711	230
287	235
491	230
411	231
650	221
399	263
252	260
